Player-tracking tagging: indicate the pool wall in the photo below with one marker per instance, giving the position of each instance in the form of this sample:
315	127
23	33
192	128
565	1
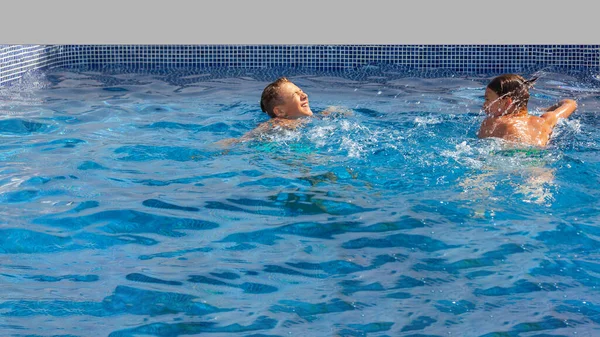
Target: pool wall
16	60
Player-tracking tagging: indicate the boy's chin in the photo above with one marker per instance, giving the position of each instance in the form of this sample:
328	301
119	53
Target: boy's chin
305	113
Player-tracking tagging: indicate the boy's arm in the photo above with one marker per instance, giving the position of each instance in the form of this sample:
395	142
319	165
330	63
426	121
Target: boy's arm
247	136
562	109
260	129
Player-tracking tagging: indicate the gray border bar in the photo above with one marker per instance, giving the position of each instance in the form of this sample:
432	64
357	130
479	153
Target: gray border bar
298	22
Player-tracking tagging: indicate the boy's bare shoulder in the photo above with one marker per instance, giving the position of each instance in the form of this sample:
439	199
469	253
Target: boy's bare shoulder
271	126
536	121
529	129
494	127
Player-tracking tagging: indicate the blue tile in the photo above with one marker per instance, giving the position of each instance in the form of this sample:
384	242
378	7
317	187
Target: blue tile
15	60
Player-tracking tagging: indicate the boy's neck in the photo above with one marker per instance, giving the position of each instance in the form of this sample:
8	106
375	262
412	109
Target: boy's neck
520	113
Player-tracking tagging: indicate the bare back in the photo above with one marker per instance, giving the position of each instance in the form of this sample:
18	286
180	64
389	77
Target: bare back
525	128
531	130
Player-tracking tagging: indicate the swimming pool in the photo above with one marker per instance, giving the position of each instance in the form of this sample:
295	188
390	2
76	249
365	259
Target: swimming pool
123	216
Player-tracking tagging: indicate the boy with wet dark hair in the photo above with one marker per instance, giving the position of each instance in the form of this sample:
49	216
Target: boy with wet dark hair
506	98
283	99
287	105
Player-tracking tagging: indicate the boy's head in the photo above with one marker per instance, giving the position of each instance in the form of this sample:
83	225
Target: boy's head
283	99
506	94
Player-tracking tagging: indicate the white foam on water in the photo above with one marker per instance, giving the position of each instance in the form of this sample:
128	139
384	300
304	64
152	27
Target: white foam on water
573	125
355	149
281	135
464	154
421	121
321	135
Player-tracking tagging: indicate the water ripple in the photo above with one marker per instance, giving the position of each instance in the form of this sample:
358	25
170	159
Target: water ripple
22	241
137	277
130	221
23	127
153	203
420	242
548	323
124	300
176	329
519	287
73	278
486	260
324	231
247	287
168	255
140	153
309	310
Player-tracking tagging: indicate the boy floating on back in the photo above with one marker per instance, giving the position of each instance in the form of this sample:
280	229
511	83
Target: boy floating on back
505	105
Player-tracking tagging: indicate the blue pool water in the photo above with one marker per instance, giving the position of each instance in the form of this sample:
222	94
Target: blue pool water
122	215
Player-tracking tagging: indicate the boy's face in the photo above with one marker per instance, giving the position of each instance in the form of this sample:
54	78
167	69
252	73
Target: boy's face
494	106
295	102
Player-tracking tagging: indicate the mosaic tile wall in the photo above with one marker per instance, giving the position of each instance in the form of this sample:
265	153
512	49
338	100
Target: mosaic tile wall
16	60
484	59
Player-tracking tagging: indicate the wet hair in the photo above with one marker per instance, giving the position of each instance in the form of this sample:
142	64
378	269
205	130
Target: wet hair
270	96
513	86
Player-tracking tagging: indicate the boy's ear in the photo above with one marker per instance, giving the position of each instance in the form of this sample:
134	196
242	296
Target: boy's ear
278	112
